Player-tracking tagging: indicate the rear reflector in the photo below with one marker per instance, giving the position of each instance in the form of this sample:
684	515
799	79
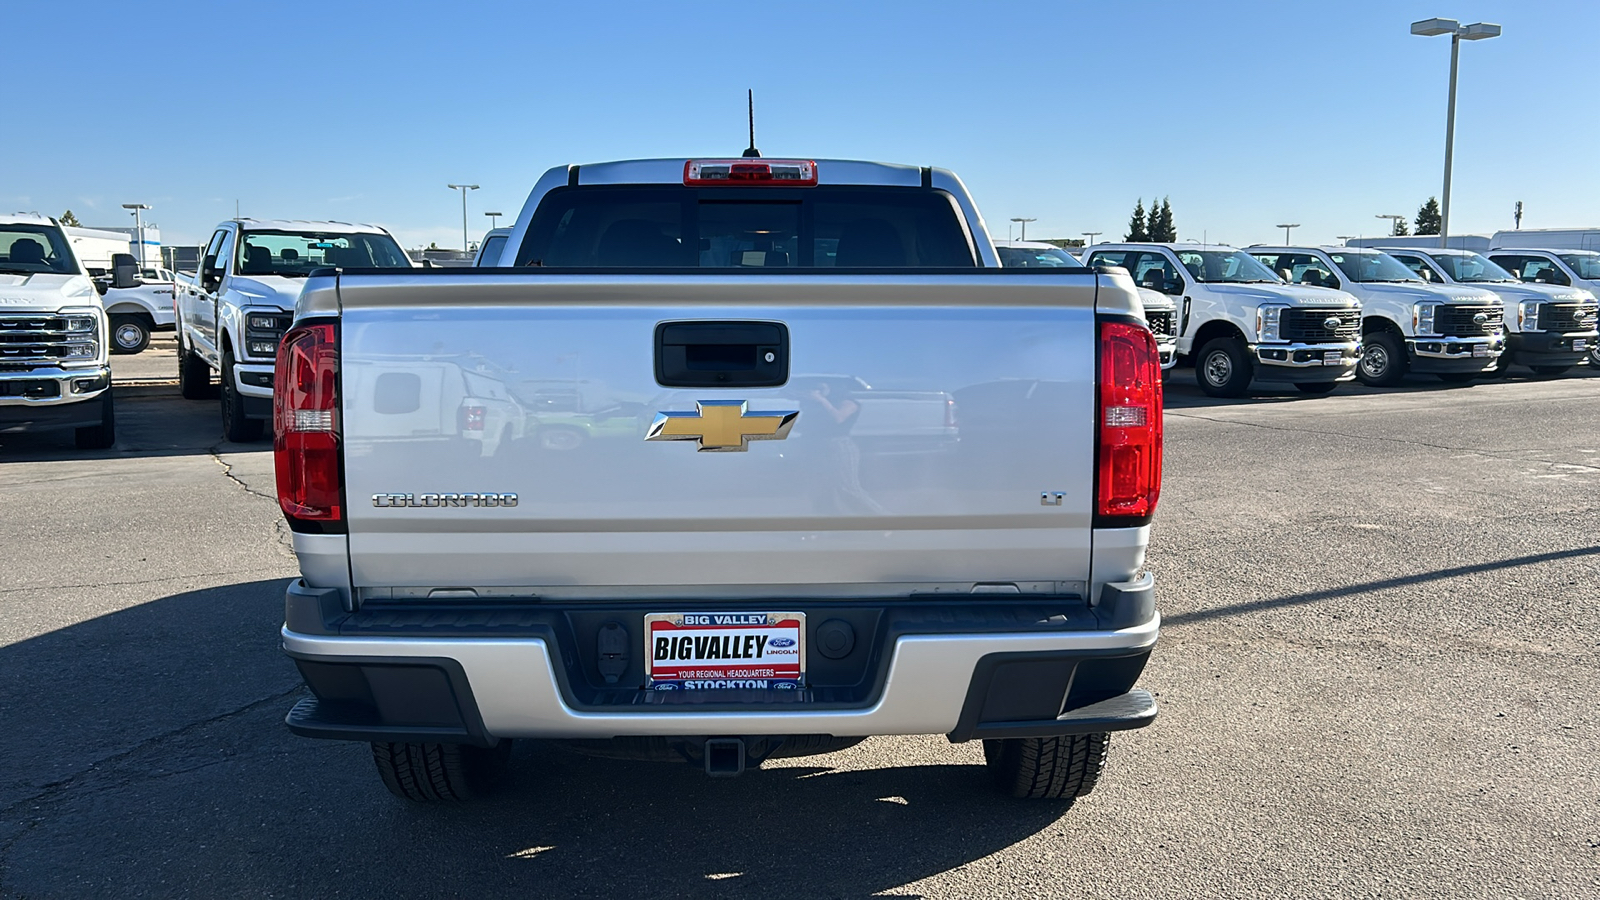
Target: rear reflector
750	172
1128	464
305	421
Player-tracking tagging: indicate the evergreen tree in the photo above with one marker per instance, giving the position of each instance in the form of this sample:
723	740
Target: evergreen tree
1428	219
70	220
1161	228
1400	229
1137	232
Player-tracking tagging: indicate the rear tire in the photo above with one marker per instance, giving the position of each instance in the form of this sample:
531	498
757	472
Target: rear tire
428	773
130	333
1222	368
235	426
1053	768
1383	360
1549	371
194	376
104	435
1316	387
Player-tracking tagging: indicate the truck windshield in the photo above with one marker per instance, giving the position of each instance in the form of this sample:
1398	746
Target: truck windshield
1370	265
1584	265
1023	258
1470	268
296	253
1226	267
35	249
832	226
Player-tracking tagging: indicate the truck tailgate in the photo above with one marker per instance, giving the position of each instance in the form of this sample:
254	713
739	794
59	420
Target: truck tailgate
974	396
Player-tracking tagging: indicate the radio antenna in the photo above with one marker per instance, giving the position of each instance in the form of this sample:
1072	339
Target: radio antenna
751	152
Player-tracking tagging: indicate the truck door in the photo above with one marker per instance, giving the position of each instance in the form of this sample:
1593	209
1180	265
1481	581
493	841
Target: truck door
206	308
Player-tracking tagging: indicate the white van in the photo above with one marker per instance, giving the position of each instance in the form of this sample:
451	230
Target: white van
1238	321
1407	324
1548	239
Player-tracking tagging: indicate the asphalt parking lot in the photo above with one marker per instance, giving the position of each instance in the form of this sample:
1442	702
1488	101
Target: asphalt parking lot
1377	677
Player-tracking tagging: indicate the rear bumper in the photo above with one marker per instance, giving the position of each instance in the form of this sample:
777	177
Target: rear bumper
974	670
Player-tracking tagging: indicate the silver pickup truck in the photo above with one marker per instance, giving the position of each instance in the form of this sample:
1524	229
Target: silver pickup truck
727	571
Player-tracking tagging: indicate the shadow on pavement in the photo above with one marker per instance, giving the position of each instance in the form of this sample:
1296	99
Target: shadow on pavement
1180	390
150	422
144	753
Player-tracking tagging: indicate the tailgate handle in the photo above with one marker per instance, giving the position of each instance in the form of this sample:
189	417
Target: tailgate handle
722	354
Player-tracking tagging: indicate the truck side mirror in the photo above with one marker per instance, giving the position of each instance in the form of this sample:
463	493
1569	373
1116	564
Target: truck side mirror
1174	286
124	271
210	276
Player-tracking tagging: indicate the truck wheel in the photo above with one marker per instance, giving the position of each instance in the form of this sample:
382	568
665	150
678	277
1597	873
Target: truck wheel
235	427
1222	368
129	333
1383	360
1594	355
1053	768
1316	387
1549	371
194	376
427	773
102	436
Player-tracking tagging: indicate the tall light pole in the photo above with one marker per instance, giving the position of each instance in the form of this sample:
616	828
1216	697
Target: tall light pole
1287	229
494	219
1089	236
138	226
1345	237
1024	223
463	188
1458	32
1394	222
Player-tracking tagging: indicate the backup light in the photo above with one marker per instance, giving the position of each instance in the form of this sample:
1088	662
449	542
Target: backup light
750	172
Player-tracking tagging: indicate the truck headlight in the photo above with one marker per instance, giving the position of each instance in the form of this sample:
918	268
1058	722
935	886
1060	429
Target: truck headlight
80	324
1422	318
1528	315
1267	324
267	323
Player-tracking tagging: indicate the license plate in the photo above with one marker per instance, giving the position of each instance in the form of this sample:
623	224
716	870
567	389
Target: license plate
1332	358
721	651
1580	344
1480	350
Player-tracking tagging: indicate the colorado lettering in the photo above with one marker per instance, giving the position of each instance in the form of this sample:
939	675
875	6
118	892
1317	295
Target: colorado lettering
438	501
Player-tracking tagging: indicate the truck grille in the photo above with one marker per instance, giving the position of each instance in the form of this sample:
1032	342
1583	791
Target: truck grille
1310	326
1460	321
36	341
1160	322
1565	317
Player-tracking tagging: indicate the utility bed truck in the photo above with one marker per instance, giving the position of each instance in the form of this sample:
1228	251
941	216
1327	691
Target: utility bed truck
745	575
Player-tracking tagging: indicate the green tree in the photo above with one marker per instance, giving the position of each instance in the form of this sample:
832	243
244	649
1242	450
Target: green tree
1161	227
1136	226
1428	219
1399	229
70	220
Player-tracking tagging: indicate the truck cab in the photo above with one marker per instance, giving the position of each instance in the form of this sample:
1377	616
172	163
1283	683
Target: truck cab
1550	327
490	248
54	368
1407	324
232	312
1237	321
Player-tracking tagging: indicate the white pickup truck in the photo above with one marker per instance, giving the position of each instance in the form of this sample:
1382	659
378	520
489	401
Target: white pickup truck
744	576
138	302
1549	328
232	312
54	368
1579	269
1407	324
1237	321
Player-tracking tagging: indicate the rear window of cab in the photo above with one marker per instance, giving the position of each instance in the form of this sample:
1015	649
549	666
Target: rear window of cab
831	226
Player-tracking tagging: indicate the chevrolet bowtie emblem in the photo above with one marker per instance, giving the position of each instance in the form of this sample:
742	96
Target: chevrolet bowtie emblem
721	425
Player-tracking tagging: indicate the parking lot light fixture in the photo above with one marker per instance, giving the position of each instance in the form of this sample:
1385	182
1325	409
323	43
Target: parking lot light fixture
1089	237
494	218
1286	230
138	227
1024	226
1394	220
463	188
1477	31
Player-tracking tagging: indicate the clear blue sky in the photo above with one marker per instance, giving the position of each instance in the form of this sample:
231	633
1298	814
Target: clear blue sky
1244	114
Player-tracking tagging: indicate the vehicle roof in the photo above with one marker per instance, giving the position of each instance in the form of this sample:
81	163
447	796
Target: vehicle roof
305	224
496	232
1032	245
1548	250
1428	251
1170	245
1324	248
670	171
22	218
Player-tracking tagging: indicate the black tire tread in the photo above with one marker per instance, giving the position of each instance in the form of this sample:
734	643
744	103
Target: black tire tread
194	377
236	427
429	773
1051	768
1243	368
104	435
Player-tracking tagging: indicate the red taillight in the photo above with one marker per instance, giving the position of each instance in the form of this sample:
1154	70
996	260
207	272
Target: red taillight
305	416
750	172
1128	466
471	417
